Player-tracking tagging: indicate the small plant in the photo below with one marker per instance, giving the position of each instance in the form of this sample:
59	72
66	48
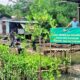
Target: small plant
26	65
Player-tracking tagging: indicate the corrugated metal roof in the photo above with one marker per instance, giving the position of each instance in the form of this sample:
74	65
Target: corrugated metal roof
17	21
24	21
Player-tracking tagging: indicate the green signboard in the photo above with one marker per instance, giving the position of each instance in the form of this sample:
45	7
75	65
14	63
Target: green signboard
62	35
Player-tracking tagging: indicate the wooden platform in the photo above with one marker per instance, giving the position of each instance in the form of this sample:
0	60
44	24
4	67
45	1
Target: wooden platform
60	49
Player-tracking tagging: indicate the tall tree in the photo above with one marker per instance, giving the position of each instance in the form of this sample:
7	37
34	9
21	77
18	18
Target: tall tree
49	13
22	6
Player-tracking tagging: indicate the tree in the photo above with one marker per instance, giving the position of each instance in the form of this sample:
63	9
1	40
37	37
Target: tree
48	14
6	9
2	9
22	6
39	11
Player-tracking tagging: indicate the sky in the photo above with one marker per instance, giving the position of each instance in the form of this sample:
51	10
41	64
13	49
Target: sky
6	2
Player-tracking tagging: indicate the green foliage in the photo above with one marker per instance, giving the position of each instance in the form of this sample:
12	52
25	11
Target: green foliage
18	14
63	20
22	6
40	13
4	9
52	8
66	61
50	11
27	65
49	14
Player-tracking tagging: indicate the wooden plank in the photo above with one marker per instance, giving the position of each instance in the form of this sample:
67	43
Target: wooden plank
60	49
56	49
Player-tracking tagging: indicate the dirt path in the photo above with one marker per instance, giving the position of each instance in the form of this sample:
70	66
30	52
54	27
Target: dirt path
75	69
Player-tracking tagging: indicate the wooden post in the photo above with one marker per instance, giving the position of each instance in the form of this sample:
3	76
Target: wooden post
66	67
78	11
44	47
65	54
50	49
39	75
